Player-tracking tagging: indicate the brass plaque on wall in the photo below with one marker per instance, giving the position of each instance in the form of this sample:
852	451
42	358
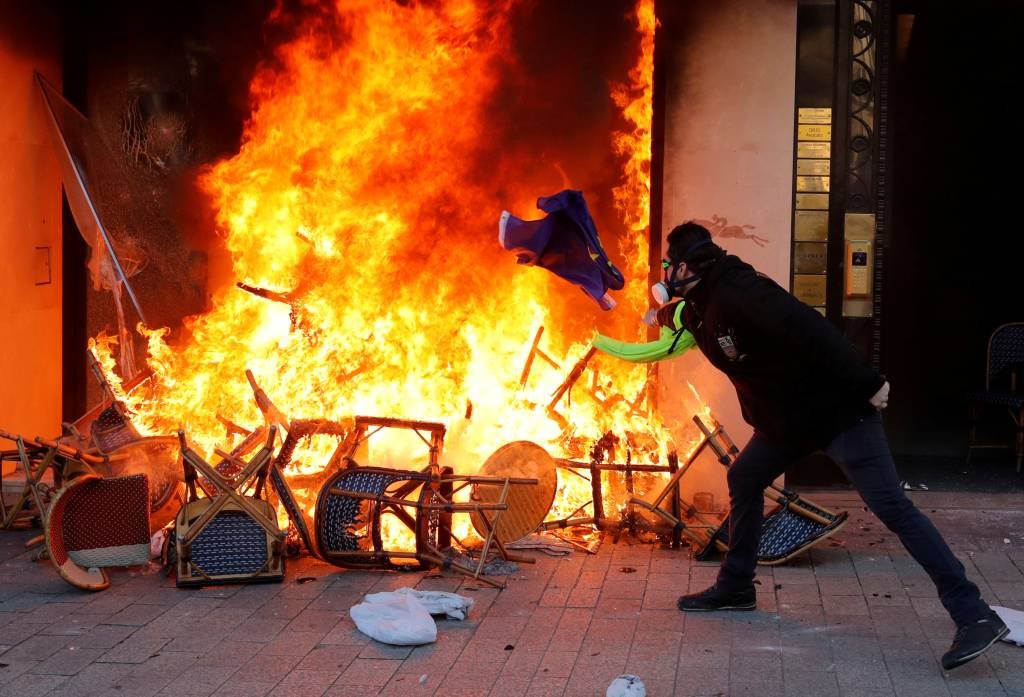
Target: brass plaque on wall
804	183
820	150
820	167
814	115
809	289
817	202
814	131
810	257
810	226
859	226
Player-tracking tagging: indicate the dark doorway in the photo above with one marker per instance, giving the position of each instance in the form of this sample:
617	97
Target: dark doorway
956	252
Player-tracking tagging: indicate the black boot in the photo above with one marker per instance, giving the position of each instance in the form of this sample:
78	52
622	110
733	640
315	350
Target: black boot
973	639
716	598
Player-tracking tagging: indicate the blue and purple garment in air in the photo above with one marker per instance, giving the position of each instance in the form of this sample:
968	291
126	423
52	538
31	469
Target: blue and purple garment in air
565	242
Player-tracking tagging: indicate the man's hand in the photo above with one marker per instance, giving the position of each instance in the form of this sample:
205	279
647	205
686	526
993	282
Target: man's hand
651	317
881	399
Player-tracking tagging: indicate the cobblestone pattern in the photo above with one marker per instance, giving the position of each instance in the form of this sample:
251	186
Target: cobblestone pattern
854	618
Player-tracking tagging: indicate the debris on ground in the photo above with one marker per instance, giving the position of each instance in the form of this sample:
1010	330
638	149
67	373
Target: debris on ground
494	566
626	686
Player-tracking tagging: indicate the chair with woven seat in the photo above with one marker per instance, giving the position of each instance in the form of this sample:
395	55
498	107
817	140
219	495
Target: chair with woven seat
94	523
1003	363
228	537
352	504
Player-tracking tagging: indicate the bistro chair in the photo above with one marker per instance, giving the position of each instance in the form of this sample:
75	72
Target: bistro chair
1003	362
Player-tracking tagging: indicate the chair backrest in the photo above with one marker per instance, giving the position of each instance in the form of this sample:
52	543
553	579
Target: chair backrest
1005	350
112	429
105	522
340	525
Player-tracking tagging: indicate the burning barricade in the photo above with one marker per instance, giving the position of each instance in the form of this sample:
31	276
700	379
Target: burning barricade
292	484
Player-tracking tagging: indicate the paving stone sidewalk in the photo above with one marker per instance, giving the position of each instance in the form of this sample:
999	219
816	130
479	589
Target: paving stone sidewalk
854	618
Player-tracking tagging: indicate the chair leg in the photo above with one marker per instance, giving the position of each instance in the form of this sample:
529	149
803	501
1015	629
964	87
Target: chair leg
972	433
1020	438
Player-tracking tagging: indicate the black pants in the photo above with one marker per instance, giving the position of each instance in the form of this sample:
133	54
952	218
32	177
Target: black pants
863	454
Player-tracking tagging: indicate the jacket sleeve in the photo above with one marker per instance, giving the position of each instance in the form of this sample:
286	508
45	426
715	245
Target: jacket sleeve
776	317
667	315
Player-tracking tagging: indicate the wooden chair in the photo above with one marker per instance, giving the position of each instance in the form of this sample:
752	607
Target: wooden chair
228	537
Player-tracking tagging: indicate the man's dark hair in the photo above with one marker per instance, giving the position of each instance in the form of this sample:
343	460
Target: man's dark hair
691	242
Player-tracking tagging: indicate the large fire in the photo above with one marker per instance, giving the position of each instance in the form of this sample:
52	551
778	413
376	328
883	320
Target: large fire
365	199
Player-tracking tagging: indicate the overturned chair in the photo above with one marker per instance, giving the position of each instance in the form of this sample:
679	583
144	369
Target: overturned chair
230	536
382	518
94	523
351	506
792	527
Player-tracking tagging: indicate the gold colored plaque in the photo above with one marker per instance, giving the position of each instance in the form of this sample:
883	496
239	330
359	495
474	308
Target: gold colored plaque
820	167
809	289
810	226
811	183
814	202
810	257
813	115
859	226
820	150
813	131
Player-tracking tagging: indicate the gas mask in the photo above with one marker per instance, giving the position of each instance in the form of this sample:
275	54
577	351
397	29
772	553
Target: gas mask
663	291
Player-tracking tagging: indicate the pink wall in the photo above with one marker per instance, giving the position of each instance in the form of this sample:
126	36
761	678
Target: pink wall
729	153
30	316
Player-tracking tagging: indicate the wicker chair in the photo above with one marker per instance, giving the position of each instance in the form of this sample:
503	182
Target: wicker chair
348	524
1003	363
93	523
794	526
352	503
228	537
35	460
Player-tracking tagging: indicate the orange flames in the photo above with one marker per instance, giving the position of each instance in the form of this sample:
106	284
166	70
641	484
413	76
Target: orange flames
364	197
633	196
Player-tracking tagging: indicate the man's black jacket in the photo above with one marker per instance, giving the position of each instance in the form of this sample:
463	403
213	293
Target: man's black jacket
799	381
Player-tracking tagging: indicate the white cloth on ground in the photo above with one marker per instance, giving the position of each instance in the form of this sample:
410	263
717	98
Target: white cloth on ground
397	619
403	617
454	606
1014	619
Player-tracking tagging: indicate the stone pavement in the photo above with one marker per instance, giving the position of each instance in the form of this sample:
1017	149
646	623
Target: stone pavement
854	618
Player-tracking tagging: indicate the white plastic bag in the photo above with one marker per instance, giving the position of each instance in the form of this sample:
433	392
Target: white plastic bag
398	619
